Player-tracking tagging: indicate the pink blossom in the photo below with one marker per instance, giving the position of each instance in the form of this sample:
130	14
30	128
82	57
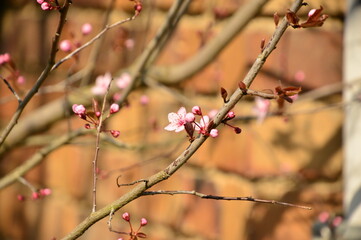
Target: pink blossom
20	80
45	191
203	124
65	46
129	43
114	108
79	110
101	84
261	109
46	6
5	58
196	110
231	115
144	99
123	81
176	120
190	117
311	12
213	133
143	222
211	114
300	76
115	133
126	216
40	1
21	197
35	195
86	28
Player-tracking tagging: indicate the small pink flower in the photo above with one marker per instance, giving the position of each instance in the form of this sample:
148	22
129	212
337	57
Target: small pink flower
203	125
144	99
79	109
196	110
5	58
261	109
123	81
86	28
143	222
40	1
129	43
65	46
126	216
115	133
190	117
35	195
213	133
176	120
101	84
114	108
311	12
231	115
20	80
45	191
46	6
20	197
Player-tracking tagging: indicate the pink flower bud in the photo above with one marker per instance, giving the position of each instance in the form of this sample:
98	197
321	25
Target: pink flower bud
126	216
40	1
114	108
213	133
46	6
190	117
143	222
196	110
144	99
98	114
87	126
311	12
79	109
65	46
230	115
35	195
115	133
86	28
20	80
45	191
21	197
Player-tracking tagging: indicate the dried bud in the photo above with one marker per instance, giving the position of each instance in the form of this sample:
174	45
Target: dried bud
243	87
237	130
263	41
224	95
276	18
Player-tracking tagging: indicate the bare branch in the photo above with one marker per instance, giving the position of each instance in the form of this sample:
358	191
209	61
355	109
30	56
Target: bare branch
214	197
11	89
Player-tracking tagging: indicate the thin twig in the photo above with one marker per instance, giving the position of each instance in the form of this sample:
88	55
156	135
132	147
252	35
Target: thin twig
43	76
214	197
91	41
97	148
11	89
38	157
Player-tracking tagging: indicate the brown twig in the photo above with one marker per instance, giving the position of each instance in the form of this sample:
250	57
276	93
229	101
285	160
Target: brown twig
214	197
11	89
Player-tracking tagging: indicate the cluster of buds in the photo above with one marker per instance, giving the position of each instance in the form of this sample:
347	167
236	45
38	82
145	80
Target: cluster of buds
187	121
315	18
7	63
93	118
134	234
48	5
39	194
69	45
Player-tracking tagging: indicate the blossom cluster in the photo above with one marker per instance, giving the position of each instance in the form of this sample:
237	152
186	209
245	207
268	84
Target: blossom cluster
187	121
134	234
93	117
67	45
47	5
41	193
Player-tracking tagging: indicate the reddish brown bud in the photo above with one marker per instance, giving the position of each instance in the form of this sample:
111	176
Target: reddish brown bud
237	130
276	18
243	87
224	95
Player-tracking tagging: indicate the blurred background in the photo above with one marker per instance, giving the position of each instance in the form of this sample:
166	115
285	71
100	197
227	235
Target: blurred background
295	157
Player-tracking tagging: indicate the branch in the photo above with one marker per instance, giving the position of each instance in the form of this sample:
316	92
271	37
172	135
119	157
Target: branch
38	157
179	72
213	197
54	48
138	190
